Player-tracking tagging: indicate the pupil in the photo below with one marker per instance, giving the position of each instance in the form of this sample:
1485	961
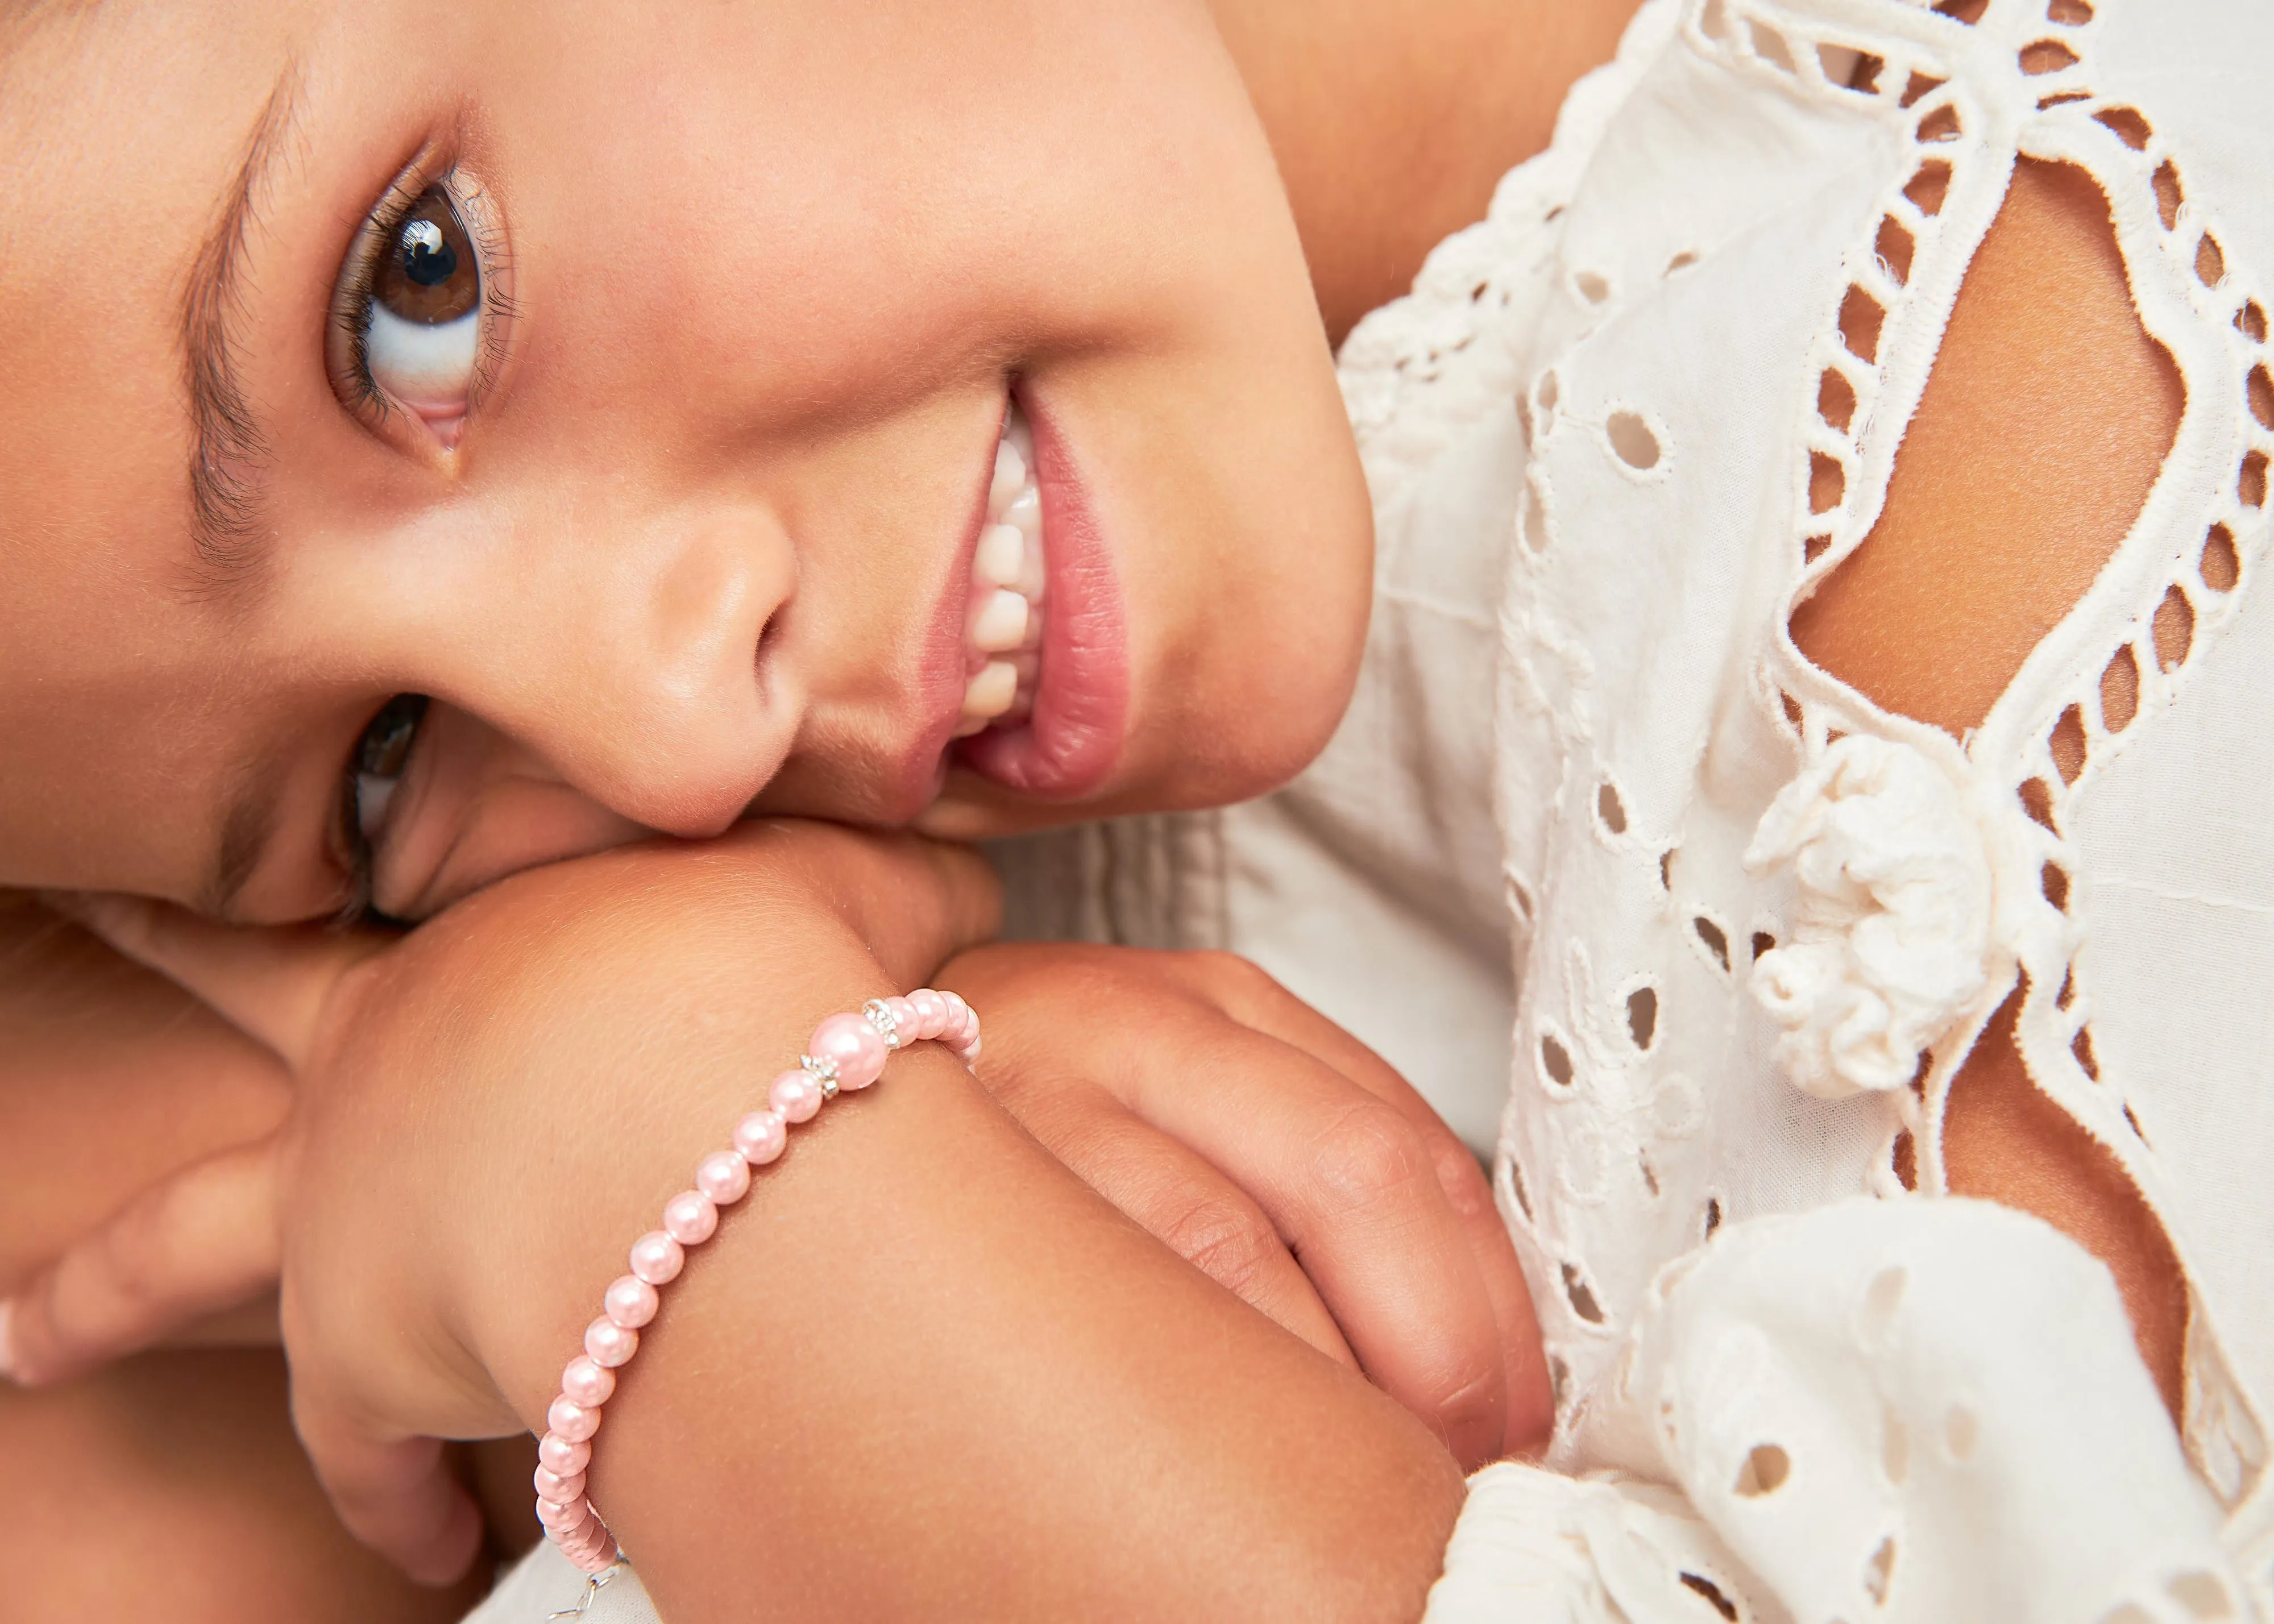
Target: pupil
427	259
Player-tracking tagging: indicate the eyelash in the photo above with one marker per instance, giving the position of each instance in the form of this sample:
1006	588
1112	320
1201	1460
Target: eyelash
352	300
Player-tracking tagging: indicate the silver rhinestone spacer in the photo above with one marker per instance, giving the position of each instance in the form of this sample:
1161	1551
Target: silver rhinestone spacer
822	1072
879	1015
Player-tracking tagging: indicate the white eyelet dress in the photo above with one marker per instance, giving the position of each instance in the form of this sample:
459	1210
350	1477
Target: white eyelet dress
1758	922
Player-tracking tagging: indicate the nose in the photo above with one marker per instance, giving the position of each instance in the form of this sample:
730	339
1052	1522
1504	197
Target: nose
636	661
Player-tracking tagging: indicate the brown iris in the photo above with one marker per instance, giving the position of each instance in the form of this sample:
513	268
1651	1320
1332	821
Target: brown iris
429	275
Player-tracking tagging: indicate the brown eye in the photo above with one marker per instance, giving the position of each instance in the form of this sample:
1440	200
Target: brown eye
430	274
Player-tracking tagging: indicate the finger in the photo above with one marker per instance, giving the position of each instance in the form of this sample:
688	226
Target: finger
204	1240
1181	1200
270	982
394	1493
1252	996
1348	1180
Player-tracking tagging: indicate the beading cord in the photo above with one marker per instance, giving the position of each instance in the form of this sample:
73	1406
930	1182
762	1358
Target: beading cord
846	1052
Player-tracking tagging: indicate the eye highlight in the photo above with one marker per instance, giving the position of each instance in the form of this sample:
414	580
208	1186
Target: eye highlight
416	312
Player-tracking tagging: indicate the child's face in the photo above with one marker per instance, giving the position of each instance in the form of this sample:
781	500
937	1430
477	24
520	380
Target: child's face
629	378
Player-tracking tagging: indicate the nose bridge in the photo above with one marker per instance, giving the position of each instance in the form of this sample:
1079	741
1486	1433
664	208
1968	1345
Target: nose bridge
622	646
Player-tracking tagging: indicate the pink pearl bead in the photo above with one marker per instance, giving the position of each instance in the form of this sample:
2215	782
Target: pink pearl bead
552	1485
855	1047
656	1258
554	1514
795	1095
724	1177
587	1383
631	1301
968	1051
561	1456
760	1136
594	1558
609	1344
690	1218
572	1420
931	1012
904	1016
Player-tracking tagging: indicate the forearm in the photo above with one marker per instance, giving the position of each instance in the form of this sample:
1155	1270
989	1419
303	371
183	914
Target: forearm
922	1371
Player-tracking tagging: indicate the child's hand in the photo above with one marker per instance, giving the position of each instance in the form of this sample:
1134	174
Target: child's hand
399	1085
1280	1156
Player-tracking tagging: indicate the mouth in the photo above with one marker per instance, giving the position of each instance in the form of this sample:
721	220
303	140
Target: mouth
1046	656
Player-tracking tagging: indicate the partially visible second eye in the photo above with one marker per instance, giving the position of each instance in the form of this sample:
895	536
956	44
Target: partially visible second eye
422	334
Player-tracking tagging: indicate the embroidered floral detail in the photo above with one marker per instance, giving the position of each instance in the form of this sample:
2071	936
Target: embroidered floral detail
1892	929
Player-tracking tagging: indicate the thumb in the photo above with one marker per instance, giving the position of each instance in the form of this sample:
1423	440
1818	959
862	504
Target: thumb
392	1492
269	981
203	1240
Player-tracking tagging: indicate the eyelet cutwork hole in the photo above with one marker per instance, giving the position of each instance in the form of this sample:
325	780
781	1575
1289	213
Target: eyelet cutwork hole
1919	87
1682	261
2133	130
1516	1188
1559	1381
1835	399
1878	1571
1827	481
1642	1017
1591	287
2250	484
1649	1176
2081	1046
2221	567
2130	1120
1713	1220
1582	1295
1859	324
2037	800
1815	547
1712	1592
1942	125
1610	809
2174	628
2067	744
2042	56
1862	77
1961	1432
1793	713
1533	520
1770	47
1715	938
2120	691
1665	869
1967	12
2204	1595
1632	439
1894	247
2250	322
1929	186
2069	13
2262	397
2054	880
1766	1468
2168	195
1555	1061
2067	997
2210	262
1762	943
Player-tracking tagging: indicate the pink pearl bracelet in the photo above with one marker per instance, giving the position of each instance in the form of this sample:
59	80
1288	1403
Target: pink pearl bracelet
845	1051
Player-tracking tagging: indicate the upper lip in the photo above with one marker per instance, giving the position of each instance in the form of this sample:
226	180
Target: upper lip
922	766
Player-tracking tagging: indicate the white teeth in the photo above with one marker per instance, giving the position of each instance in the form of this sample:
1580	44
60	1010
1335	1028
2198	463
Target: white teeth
990	694
1004	634
1010	474
1001	556
1001	623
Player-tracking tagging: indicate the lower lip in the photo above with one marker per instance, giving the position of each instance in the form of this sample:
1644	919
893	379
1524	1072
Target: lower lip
1068	746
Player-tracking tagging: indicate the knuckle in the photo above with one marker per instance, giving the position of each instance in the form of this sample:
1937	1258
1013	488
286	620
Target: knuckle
1224	1239
1371	1154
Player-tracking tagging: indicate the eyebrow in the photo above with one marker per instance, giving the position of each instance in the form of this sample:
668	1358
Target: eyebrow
227	452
